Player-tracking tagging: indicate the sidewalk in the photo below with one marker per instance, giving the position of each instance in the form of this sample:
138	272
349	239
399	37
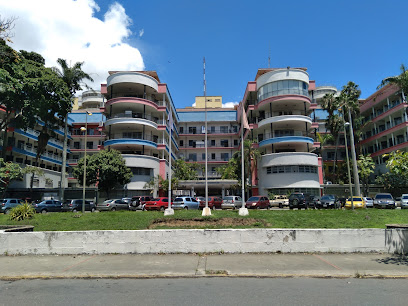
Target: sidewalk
207	265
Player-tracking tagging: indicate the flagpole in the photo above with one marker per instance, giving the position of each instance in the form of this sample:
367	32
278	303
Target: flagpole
206	210
243	211
169	211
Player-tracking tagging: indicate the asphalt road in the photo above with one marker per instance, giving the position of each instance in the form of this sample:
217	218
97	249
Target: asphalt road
205	291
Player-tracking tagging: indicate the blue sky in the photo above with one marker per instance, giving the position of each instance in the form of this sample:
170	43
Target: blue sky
337	41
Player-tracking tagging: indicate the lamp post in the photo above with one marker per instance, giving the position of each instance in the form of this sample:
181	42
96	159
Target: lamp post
84	178
348	164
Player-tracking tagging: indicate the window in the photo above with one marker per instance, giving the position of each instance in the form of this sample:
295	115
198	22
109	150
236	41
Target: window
141	171
89	145
235	142
192	157
213	156
192	130
212	143
191	143
77	145
203	156
224	156
181	129
224	129
181	143
224	143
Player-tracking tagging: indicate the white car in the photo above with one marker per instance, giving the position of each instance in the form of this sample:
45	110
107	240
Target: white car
231	202
404	201
369	202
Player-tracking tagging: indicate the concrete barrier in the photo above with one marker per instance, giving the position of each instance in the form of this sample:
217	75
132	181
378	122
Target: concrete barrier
205	240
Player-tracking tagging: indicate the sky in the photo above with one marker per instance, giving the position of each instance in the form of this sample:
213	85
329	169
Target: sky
362	41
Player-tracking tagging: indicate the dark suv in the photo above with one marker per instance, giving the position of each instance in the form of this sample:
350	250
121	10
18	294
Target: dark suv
299	200
138	202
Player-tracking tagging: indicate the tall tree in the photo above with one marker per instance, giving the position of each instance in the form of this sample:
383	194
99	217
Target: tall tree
106	169
186	171
366	167
8	172
73	76
400	80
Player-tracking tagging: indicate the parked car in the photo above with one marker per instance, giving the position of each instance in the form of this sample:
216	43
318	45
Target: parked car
358	202
76	205
160	203
369	202
185	203
112	205
127	200
398	202
342	201
384	200
314	202
404	201
329	201
8	203
257	202
138	202
279	201
213	202
231	202
299	200
48	206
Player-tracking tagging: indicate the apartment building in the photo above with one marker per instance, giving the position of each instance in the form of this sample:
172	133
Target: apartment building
137	110
222	139
385	127
278	107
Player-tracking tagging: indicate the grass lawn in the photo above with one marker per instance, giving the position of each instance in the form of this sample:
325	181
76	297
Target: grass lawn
130	220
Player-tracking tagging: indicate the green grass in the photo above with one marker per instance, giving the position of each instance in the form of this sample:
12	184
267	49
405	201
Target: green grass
130	220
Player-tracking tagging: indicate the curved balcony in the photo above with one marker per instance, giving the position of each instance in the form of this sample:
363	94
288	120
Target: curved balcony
295	121
286	139
121	142
321	91
289	158
121	78
130	102
123	120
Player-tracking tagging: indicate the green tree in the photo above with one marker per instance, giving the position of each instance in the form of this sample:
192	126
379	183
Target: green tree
396	180
400	80
8	172
366	167
106	169
186	171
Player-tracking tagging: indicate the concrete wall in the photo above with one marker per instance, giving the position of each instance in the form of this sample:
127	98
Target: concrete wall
196	240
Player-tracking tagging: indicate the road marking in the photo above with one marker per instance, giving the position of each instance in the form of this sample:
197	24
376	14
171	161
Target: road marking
79	263
334	266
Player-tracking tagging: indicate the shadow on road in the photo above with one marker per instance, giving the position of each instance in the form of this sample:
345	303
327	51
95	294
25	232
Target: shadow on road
394	260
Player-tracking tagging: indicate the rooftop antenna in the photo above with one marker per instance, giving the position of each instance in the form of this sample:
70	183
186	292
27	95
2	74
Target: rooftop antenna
206	210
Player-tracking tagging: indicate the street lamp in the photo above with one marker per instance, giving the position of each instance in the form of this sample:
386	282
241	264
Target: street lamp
84	179
348	164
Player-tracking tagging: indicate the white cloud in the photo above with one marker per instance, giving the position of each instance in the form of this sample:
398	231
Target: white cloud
229	104
141	32
68	29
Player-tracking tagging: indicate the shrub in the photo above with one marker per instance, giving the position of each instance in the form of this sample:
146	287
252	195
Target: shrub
22	212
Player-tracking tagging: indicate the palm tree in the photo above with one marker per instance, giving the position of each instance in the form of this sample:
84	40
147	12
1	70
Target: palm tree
400	80
330	103
251	157
73	77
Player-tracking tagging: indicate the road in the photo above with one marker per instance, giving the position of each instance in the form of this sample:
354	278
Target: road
205	291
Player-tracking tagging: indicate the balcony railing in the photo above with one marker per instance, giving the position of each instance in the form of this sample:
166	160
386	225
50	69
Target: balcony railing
155	101
210	131
137	136
30	149
258	118
264	136
200	159
138	116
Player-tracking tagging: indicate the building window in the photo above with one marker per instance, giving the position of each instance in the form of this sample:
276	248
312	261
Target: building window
181	143
203	156
224	143
142	171
192	130
213	156
181	129
77	145
224	156
212	143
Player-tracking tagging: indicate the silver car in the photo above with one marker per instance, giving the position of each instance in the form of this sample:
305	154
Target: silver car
404	201
369	202
185	203
112	205
231	202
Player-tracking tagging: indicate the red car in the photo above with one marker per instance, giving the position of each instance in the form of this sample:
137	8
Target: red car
157	204
257	202
213	203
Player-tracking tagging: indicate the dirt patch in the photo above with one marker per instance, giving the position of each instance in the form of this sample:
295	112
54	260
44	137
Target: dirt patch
208	223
